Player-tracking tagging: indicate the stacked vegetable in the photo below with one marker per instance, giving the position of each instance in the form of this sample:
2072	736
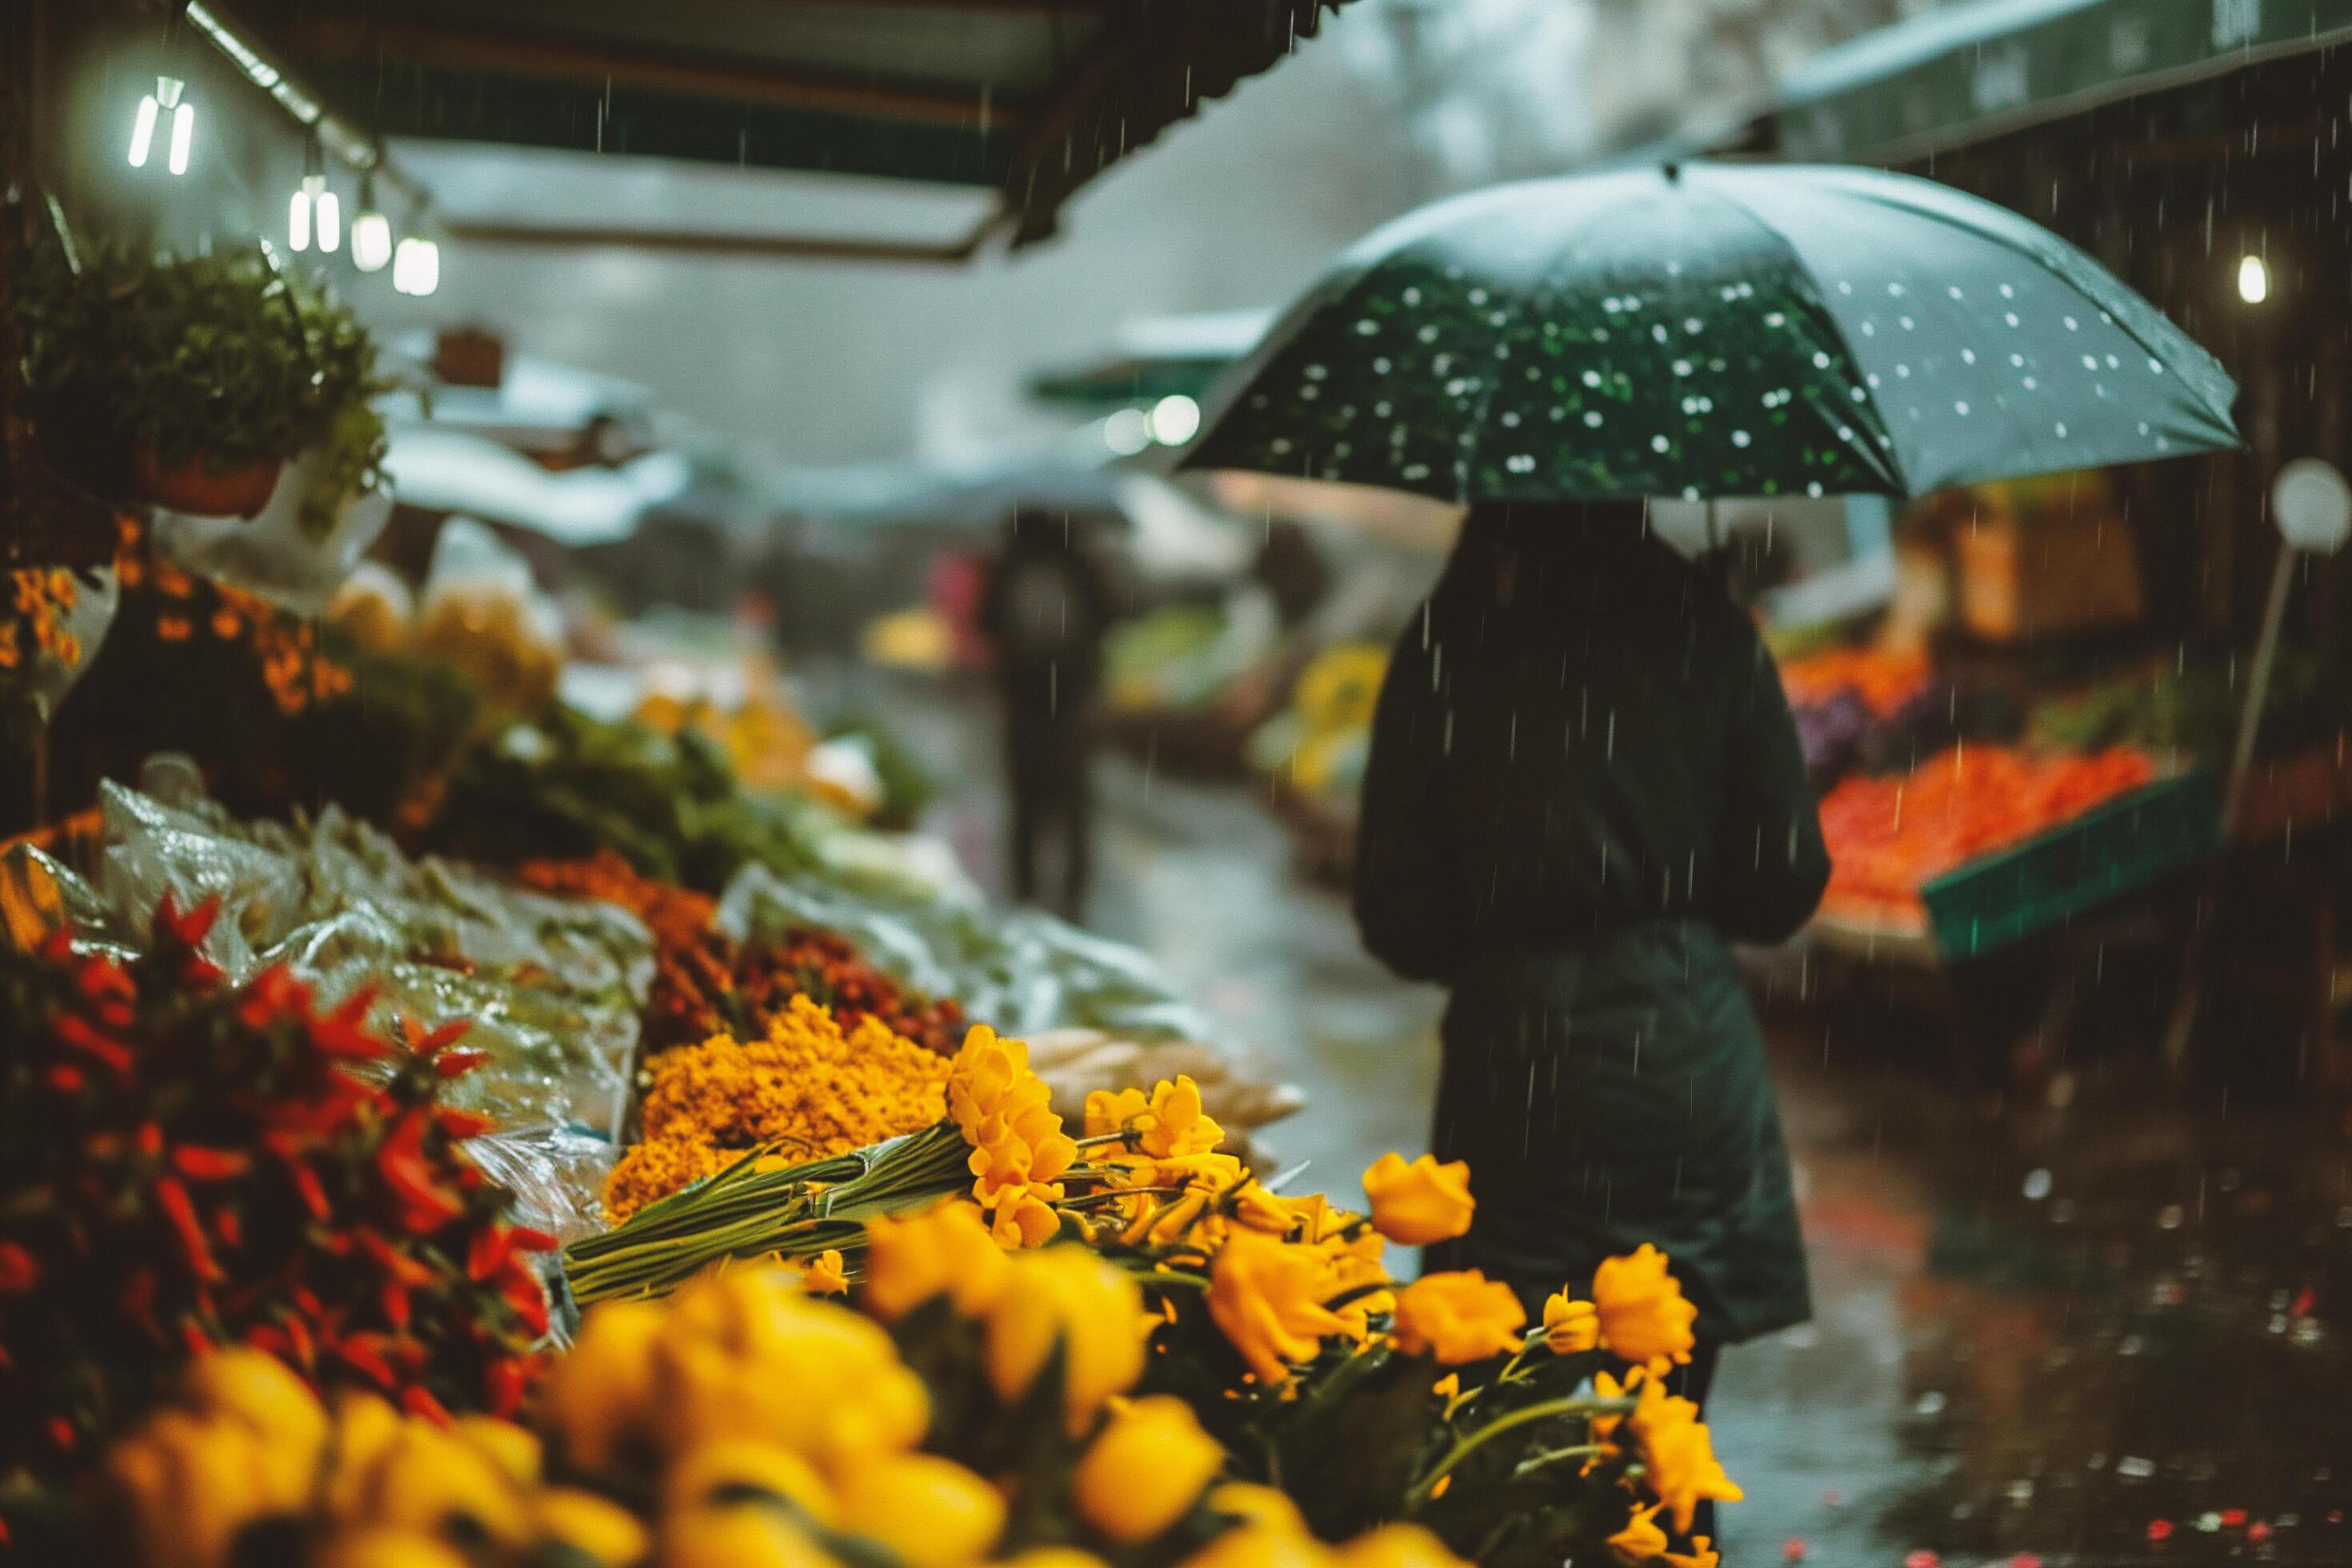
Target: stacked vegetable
1890	836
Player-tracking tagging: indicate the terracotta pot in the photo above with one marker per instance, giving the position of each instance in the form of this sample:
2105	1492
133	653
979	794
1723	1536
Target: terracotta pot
193	485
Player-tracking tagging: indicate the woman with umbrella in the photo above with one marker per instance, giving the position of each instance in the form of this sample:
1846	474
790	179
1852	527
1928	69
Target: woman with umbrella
1584	783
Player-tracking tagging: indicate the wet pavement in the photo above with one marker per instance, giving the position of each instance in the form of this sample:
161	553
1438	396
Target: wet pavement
2083	1321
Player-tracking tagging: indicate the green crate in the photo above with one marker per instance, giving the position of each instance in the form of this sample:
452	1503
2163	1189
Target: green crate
2108	851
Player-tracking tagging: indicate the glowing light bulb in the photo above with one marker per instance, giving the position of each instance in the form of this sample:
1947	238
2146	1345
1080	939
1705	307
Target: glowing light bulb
329	220
2253	279
371	240
1126	432
416	267
142	130
143	125
1174	420
184	135
298	218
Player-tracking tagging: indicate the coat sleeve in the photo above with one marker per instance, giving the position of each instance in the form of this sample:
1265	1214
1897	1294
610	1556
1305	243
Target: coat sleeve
1401	878
1775	864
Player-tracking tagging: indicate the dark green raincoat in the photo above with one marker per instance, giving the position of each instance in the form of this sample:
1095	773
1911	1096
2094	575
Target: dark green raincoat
1584	784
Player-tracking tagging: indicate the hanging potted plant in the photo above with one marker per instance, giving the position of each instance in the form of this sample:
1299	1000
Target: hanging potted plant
193	383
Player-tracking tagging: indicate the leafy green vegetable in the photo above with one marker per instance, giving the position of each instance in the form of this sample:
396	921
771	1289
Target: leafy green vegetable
565	785
227	358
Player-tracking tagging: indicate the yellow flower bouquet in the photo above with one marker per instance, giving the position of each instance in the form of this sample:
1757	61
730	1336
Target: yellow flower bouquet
1122	1318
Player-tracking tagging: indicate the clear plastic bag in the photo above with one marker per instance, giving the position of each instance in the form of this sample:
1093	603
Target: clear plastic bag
550	988
1021	971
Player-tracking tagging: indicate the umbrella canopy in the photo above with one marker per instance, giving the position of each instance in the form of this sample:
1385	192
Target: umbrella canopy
1713	330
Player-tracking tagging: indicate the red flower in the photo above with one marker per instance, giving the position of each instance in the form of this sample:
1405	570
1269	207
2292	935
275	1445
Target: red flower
72	1030
18	1269
412	1177
363	1355
199	1164
508	1380
187	931
177	1207
414	1400
344	1034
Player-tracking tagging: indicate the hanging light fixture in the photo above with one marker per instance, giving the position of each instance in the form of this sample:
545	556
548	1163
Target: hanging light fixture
313	212
170	97
370	230
415	264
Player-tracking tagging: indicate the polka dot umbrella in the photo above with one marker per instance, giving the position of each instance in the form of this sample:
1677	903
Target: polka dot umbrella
1713	330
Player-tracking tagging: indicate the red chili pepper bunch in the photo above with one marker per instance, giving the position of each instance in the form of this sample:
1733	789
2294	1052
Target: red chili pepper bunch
186	1165
705	983
825	966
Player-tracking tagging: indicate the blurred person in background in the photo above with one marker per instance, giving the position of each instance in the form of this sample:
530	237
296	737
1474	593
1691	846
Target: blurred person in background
1045	608
1584	785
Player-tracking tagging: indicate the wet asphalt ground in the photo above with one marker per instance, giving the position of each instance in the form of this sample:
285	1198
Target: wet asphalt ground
2075	1320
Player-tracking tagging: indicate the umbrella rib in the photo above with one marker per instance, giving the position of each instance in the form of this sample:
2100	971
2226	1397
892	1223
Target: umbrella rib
1891	461
2117	319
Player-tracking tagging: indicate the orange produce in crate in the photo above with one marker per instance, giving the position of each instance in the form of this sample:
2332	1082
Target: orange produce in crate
1889	836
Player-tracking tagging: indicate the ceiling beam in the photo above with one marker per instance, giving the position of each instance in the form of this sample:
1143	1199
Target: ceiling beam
316	36
768	246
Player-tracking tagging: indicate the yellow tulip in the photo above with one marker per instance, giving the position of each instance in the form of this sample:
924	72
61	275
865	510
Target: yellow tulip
1168	1124
1420	1204
1254	1504
513	1450
595	1397
1178	1126
747	1354
1066	1295
187	1484
1637	1384
828	1394
1458	1317
382	1547
596	1527
1643	1315
429	1479
825	1274
1398	1546
1110	1110
262	1392
931	1512
1144	1469
364	1426
1569	1326
1702	1555
947	1252
738	1466
1262	1546
1678	1455
1262	1295
1641	1540
737	1538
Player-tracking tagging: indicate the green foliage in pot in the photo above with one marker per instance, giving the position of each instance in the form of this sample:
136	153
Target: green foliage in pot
227	360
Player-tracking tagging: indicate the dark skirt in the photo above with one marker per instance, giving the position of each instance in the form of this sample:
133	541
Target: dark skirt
1613	1094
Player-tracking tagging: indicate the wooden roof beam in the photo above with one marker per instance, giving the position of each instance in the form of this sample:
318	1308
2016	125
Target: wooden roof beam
316	36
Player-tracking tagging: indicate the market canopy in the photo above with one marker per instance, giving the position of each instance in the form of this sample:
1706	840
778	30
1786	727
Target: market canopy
1156	357
1961	72
1028	97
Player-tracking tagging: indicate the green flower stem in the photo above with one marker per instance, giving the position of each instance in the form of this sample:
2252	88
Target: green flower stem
1465	1447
